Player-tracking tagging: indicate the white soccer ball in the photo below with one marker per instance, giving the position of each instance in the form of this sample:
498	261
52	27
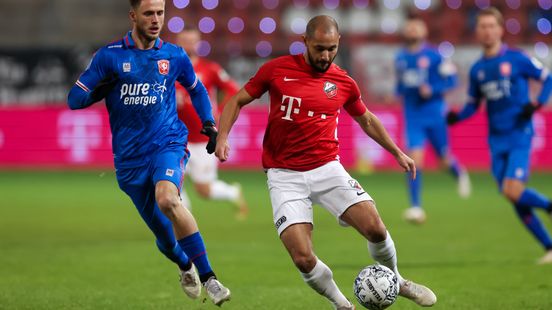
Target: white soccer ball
376	287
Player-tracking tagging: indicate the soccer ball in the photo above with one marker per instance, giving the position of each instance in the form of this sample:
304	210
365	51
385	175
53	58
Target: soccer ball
376	287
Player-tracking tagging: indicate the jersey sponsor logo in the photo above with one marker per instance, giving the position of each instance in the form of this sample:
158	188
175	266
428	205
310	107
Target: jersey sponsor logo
505	69
280	221
496	90
163	66
411	78
126	66
423	62
289	108
286	79
169	172
142	93
330	89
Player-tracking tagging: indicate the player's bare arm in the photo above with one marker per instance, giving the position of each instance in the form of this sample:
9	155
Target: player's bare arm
229	116
373	127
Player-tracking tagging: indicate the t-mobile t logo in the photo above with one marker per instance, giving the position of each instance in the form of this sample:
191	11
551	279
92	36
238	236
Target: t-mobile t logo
79	132
289	108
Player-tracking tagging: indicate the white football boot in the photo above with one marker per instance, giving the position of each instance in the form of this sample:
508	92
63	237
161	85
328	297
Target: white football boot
464	185
189	281
216	291
415	215
418	293
546	259
350	306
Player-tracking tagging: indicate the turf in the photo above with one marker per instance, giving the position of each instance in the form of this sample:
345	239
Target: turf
72	240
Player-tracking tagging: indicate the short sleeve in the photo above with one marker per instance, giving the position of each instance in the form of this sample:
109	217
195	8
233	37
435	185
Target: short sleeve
260	82
355	106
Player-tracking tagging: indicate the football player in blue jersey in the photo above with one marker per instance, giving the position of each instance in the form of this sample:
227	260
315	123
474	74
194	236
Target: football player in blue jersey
501	78
136	76
423	77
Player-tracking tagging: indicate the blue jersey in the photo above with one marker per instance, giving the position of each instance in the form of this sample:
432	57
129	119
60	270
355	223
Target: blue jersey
503	82
142	105
423	67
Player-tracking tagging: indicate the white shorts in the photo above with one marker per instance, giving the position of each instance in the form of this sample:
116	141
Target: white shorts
292	193
201	167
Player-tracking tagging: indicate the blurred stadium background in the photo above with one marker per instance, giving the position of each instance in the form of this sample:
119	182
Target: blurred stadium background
69	239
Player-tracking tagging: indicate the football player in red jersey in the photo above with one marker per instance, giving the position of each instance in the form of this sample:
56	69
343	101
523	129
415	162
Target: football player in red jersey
202	167
300	155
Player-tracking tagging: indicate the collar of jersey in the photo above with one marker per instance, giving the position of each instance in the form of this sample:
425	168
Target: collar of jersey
501	52
129	42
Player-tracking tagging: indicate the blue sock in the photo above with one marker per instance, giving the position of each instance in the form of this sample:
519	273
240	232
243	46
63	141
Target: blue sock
414	188
176	255
454	168
534	225
531	197
195	248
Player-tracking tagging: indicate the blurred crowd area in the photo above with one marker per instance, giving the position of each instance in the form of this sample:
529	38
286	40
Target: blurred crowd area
48	43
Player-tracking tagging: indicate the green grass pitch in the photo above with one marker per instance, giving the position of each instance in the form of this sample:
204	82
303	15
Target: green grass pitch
73	240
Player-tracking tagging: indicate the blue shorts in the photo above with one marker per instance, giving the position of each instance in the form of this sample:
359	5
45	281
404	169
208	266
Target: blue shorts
417	133
139	183
511	164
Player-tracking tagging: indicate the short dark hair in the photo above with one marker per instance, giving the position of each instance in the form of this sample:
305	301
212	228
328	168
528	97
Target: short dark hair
491	11
324	22
135	3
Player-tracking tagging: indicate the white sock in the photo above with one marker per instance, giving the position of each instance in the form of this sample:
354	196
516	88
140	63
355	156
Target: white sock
384	252
185	200
223	191
321	280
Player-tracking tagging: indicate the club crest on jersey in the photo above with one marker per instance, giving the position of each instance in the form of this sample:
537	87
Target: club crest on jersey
330	89
163	66
423	62
505	69
354	184
126	66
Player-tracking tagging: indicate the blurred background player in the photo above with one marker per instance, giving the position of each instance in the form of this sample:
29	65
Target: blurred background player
300	155
202	167
136	76
423	77
501	78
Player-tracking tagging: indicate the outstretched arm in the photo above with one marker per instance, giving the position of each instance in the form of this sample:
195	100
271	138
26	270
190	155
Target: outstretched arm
375	130
227	119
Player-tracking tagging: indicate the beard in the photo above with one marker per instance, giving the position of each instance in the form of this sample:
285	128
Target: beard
412	41
320	66
144	34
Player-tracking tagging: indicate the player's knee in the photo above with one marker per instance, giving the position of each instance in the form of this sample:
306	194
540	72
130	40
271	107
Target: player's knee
168	204
305	262
512	191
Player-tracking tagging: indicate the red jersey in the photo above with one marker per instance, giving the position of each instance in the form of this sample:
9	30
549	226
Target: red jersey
215	79
304	108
